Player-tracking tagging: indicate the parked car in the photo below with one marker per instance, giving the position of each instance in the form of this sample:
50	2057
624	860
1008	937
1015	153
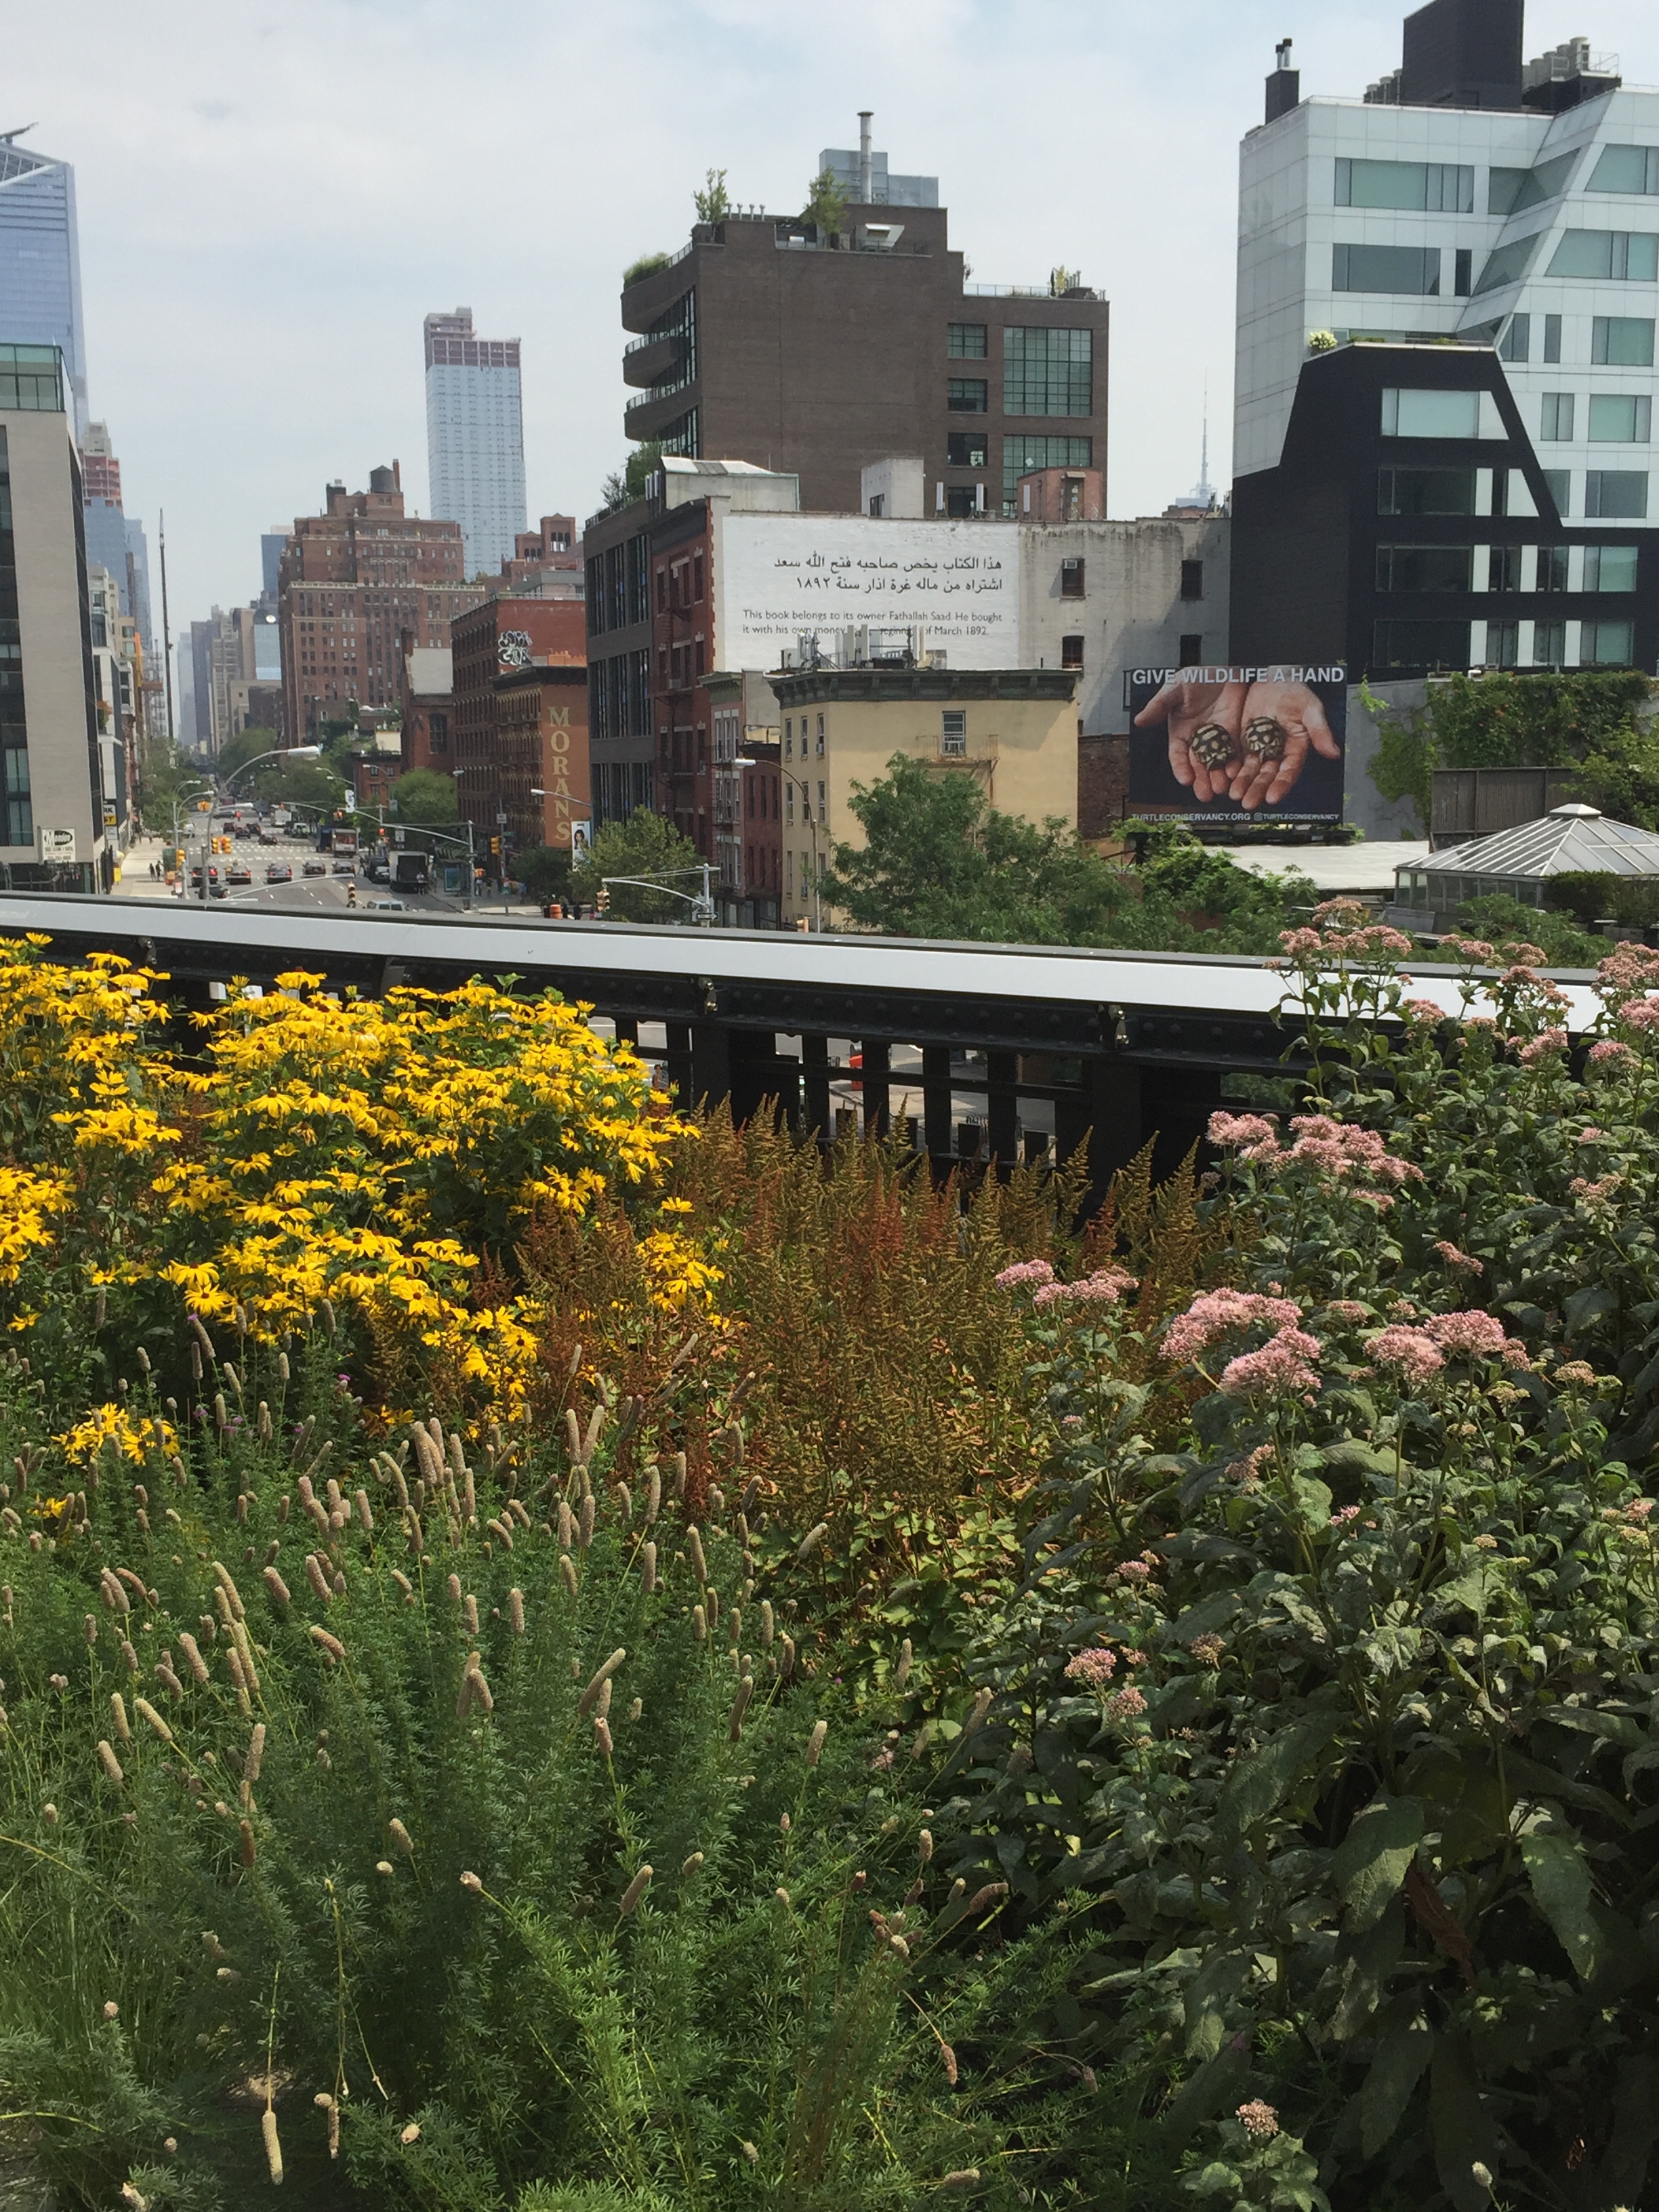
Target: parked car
344	868
278	871
314	868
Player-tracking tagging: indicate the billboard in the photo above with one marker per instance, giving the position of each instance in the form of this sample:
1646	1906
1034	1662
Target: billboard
782	577
1238	743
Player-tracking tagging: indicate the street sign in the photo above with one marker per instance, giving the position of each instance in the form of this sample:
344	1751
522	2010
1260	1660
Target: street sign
55	844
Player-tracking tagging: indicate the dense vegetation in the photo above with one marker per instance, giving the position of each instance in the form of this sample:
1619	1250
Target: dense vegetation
556	1656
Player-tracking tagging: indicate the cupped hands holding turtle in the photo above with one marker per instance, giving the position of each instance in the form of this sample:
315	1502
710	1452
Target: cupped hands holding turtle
1250	741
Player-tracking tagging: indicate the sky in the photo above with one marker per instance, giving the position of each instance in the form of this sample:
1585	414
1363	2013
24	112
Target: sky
273	196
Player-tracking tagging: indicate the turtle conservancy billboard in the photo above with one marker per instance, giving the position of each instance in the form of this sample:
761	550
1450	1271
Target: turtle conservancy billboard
1236	744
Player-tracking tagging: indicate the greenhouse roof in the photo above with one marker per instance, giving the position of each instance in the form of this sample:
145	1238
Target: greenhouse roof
1569	839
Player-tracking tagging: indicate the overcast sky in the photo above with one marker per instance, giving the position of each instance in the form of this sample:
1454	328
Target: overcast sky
272	196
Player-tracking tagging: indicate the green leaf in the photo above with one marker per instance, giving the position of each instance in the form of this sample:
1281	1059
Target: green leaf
1368	1972
1560	1877
1465	2135
1371	1863
1257	1784
1584	1305
1218	2082
1199	1619
1208	1993
1313	1497
1394	2072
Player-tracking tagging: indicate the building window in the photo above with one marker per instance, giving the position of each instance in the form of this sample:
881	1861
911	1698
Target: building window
1622	341
1616	494
1047	371
1607	645
1555	421
1190	652
1502	645
696	578
1552	337
1410	269
1020	455
953	730
1516	342
662	589
1627	256
966	342
1549	644
1625	169
1463	271
1552	567
962	500
1431	413
438	733
1071	578
1071	653
823	810
967	449
1438	187
820	737
1558	483
1192	580
1421	644
1609	567
1620	418
1509	190
966	395
1507	264
1503	574
1425	491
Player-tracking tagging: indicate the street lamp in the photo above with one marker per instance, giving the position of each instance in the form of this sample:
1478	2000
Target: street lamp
812	827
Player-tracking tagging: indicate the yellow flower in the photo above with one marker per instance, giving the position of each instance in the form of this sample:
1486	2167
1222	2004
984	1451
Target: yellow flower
113	1425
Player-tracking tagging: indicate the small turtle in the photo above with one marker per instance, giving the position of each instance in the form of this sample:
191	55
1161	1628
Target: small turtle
1211	746
1264	741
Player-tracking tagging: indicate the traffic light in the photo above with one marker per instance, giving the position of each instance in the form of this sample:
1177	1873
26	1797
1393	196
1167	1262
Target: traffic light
495	844
603	902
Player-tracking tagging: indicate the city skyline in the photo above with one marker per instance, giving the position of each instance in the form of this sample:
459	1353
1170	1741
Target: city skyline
207	247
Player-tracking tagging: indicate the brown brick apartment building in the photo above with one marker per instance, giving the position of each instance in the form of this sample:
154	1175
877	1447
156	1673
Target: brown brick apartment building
817	354
517	725
352	580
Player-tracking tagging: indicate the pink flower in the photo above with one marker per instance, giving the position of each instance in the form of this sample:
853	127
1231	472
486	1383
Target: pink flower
1468	1335
1280	1369
1025	1271
1638	1509
1253	1136
1639	1013
1343	1515
1588	1134
1460	1262
1347	1310
1546	1042
1470	948
1413	1351
1218	1313
1595	1193
1297	942
1135	1571
1095	1668
1104	1287
1347	1151
1260	2120
1207	1650
1609	1049
1125	1704
1424	1010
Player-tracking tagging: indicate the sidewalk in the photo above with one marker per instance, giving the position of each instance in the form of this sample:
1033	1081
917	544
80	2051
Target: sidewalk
136	881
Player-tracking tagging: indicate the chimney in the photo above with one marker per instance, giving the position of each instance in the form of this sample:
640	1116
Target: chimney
1284	86
866	180
397	476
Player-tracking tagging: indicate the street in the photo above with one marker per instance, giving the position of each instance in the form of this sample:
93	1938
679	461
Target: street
304	894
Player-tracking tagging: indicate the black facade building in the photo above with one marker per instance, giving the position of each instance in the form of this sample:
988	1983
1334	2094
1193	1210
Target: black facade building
1410	527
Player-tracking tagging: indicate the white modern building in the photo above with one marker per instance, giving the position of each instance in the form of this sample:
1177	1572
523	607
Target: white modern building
1490	226
475	437
40	262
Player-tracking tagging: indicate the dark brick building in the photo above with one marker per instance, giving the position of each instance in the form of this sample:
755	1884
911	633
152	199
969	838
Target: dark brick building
518	724
817	354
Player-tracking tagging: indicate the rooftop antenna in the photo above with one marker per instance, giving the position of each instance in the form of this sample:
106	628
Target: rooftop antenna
866	177
6	137
1206	489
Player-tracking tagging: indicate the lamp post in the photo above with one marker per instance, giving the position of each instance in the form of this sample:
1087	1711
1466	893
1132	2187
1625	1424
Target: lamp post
812	829
277	752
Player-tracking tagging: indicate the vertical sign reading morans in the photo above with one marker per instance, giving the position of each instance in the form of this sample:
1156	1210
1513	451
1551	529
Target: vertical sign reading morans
1237	744
780	577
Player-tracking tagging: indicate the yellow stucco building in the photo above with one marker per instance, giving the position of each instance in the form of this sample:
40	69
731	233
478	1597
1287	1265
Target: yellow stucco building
1015	730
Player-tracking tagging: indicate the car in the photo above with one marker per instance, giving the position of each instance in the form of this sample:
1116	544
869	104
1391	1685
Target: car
344	868
216	890
314	868
239	873
278	871
387	906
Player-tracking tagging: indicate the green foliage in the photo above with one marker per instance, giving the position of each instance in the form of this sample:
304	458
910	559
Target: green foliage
1338	1721
628	484
827	203
938	861
1592	895
1585	719
424	797
646	265
1557	936
645	845
712	204
545	871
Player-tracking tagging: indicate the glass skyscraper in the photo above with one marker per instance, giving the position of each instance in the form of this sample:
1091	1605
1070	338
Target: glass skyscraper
40	263
475	437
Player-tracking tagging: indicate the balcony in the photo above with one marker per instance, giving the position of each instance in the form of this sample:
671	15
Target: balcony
647	360
645	416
